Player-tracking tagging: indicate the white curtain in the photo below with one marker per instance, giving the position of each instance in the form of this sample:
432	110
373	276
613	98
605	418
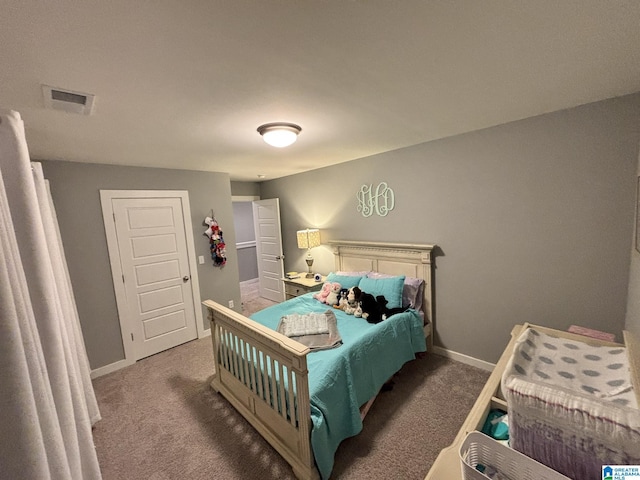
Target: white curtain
47	401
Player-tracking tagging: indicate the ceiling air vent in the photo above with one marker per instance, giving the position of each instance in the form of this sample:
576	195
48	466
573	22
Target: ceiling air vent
68	100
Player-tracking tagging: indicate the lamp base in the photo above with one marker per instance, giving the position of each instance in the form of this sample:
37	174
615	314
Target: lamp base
309	261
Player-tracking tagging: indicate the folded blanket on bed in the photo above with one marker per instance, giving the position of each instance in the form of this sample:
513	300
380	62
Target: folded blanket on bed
315	330
297	324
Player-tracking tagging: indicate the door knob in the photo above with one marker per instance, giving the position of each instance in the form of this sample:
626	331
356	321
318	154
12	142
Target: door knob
280	257
185	278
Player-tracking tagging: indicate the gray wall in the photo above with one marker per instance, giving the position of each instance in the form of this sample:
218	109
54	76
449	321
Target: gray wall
245	189
533	220
247	263
243	221
75	188
632	322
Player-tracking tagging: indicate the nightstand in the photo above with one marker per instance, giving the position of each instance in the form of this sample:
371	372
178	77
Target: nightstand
294	287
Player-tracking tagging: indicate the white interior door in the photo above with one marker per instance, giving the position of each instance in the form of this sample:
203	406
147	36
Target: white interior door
266	221
151	241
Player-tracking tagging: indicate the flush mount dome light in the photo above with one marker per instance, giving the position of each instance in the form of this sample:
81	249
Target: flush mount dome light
279	134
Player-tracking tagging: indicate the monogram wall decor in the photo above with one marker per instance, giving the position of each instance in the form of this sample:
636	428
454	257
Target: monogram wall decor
380	200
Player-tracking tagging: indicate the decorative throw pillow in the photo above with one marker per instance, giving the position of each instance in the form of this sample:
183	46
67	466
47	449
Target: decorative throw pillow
390	287
412	292
345	281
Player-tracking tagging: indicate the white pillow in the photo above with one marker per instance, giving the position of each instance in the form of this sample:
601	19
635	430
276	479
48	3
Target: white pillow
354	274
412	291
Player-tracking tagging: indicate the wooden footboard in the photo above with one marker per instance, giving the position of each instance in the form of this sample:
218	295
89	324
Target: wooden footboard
263	374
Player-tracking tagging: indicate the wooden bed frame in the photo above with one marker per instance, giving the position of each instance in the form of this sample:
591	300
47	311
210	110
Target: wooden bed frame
246	354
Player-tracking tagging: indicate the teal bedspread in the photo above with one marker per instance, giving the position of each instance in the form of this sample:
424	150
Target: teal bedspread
344	378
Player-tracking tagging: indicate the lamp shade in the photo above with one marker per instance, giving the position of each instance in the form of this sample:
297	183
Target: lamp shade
308	238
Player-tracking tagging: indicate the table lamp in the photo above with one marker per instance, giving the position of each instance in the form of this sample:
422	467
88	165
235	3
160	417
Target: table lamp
308	239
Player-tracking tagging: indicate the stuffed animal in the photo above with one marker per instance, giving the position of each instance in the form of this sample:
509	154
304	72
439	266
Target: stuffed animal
208	221
323	293
371	309
342	299
334	291
374	310
216	242
387	312
353	297
358	310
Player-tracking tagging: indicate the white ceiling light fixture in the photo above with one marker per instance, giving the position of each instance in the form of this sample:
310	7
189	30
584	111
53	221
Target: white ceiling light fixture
279	134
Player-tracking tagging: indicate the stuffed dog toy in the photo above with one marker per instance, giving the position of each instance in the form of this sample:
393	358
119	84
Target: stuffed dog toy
353	297
374	310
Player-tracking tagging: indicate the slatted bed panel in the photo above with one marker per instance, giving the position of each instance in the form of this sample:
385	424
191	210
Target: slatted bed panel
264	376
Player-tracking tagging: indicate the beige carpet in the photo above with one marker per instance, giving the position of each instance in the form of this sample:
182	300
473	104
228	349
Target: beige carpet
161	420
251	299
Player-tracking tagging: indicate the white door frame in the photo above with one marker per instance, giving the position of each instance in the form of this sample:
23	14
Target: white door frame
106	197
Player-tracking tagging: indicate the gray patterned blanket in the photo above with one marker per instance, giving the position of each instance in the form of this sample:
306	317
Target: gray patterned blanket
317	331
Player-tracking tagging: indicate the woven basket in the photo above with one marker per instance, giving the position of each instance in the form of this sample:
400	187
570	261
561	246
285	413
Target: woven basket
479	448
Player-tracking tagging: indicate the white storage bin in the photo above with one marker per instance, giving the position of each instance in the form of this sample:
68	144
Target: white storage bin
479	448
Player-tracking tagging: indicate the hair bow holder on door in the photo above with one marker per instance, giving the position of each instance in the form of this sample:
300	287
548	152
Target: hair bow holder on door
216	241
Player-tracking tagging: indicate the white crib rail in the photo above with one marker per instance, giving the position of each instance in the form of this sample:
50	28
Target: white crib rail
263	374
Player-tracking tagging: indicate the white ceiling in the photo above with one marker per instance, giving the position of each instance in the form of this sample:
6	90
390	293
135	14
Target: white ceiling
185	83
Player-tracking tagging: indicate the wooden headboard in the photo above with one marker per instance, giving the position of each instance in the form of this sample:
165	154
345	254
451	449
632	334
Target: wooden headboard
408	259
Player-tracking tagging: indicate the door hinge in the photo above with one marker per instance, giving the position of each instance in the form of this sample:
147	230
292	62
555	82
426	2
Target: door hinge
132	337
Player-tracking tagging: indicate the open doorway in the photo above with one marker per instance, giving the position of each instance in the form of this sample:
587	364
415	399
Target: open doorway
245	239
246	247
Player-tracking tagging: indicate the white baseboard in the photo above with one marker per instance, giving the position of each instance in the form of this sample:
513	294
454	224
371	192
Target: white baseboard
461	357
205	333
112	367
